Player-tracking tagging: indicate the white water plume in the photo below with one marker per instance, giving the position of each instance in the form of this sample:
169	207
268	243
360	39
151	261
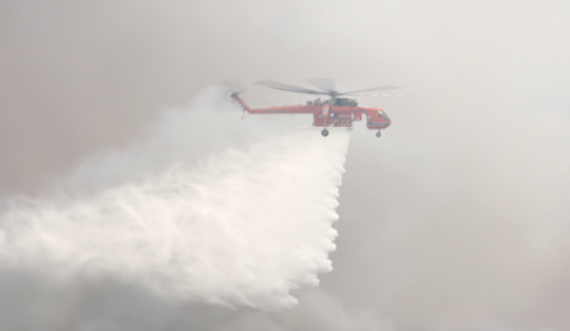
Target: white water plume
243	226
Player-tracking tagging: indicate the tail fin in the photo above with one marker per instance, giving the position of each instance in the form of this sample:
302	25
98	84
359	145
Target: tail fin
235	95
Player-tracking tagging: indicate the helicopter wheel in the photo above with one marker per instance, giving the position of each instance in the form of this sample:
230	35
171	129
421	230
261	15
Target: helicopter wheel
378	134
325	132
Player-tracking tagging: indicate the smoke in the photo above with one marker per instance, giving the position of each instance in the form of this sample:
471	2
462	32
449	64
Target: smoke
200	212
456	218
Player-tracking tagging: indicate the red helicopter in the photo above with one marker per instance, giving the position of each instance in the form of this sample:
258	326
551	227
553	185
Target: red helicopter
334	112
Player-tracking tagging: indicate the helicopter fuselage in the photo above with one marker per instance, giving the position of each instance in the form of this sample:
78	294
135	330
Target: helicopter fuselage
337	112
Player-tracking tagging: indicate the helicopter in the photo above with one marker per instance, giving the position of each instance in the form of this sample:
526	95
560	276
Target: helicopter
337	111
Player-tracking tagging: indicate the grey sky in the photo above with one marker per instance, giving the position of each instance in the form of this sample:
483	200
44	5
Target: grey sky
456	218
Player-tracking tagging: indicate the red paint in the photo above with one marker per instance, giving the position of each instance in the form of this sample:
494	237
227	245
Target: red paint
326	115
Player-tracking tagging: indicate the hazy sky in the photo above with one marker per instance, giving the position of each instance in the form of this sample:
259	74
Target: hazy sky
458	218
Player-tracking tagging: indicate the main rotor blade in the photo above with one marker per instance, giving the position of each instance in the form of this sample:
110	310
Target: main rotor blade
380	95
289	88
325	84
386	87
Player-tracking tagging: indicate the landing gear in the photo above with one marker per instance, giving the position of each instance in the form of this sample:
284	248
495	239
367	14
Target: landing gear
378	134
325	132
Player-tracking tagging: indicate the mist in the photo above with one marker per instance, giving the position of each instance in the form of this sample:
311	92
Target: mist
456	219
162	224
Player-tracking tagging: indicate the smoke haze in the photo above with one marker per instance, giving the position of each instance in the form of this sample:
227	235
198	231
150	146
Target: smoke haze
456	219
